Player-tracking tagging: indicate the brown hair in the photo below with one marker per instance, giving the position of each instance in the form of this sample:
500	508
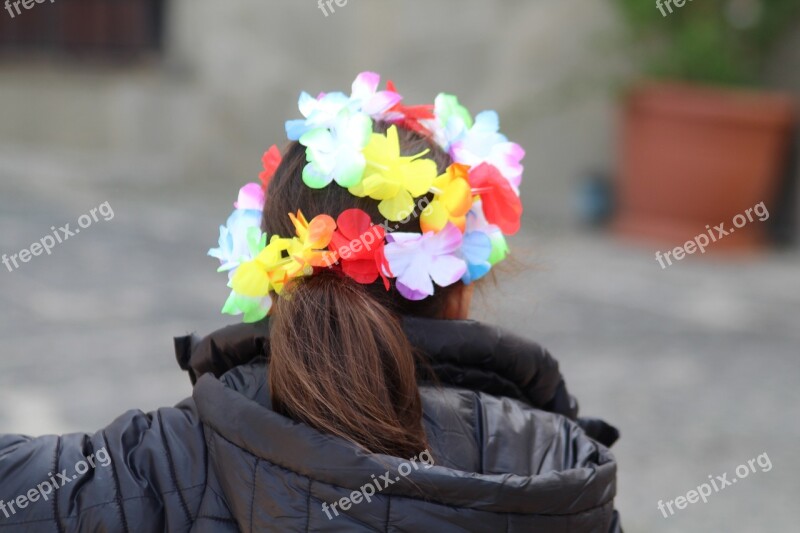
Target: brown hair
340	361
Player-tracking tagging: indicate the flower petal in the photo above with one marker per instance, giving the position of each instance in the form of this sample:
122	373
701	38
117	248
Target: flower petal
380	103
353	222
418	176
476	247
446	269
457	197
349	168
476	250
314	178
233	238
410	293
254	309
306	103
397	207
447	241
362	271
271	160
501	205
251	280
365	84
320	230
251	196
416	279
434	217
499	248
295	129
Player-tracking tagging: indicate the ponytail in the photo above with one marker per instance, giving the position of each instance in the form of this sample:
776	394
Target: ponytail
341	363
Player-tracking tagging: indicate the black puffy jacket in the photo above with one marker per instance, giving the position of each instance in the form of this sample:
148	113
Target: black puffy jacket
507	450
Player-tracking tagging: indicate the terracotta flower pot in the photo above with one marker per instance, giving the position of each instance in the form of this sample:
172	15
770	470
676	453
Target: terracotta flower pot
692	156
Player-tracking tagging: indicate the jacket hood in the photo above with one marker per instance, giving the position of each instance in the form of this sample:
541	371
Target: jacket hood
498	463
576	477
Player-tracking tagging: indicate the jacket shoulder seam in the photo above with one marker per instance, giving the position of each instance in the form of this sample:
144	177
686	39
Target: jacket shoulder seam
477	412
308	505
217	519
172	473
253	494
118	489
388	513
59	525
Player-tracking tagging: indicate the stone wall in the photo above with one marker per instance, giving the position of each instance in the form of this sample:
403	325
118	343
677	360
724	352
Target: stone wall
232	72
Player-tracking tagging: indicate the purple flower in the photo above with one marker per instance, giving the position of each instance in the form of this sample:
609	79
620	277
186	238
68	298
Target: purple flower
420	260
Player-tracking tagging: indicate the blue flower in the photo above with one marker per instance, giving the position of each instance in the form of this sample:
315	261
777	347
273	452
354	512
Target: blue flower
475	250
235	238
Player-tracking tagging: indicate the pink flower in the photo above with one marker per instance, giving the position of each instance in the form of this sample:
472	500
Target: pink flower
251	196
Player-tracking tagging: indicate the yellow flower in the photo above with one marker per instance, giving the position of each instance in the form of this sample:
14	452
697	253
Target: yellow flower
284	259
393	179
257	277
452	200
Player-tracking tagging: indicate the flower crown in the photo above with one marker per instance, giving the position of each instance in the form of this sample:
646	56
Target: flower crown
468	210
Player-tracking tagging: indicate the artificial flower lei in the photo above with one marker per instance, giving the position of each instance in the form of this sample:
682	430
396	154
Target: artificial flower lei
472	206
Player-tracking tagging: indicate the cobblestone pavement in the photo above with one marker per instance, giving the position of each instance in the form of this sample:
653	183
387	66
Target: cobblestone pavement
697	364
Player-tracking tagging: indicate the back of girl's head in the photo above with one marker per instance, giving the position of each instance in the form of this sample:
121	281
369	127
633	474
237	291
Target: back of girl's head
287	194
339	358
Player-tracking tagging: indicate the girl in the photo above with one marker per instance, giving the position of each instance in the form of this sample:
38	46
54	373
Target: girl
356	396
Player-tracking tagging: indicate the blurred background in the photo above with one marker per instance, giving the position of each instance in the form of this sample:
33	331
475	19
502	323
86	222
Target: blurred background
642	125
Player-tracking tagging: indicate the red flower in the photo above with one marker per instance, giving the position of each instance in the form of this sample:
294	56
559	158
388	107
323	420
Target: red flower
411	114
501	205
359	244
271	159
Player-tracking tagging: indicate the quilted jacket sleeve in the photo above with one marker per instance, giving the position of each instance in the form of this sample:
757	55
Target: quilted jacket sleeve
144	472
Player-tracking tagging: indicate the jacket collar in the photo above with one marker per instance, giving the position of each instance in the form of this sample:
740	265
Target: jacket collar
462	353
